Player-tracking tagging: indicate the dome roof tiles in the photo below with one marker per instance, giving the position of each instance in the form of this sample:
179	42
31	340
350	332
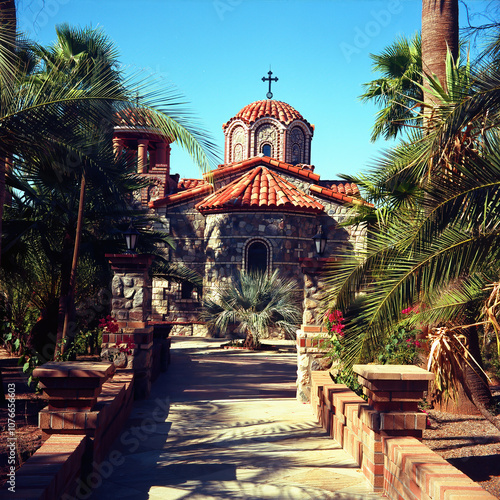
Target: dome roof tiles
278	110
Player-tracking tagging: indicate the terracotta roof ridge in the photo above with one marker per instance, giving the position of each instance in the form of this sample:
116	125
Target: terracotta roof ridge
267	160
329	193
260	188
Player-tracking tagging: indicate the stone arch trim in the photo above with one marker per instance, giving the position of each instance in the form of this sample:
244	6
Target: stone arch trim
269	247
230	143
289	142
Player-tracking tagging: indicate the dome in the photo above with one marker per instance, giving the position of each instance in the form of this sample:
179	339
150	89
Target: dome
278	110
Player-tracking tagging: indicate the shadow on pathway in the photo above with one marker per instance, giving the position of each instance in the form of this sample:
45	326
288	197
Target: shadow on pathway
225	424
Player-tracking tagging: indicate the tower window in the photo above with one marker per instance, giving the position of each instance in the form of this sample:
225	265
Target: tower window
257	257
266	149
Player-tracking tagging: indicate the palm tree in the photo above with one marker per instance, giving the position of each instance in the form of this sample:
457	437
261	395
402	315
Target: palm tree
442	253
257	303
8	27
68	105
397	89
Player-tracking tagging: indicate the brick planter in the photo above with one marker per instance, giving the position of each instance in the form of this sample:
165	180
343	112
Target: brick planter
394	391
72	386
383	434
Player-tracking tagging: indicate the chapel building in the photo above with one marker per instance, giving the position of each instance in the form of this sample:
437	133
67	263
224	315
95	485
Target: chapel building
258	211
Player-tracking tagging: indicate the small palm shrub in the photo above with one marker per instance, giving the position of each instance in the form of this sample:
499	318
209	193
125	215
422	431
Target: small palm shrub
256	303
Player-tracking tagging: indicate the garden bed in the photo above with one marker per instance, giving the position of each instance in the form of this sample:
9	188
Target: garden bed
469	443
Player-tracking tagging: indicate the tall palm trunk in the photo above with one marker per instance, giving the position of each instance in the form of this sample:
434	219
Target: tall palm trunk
439	33
475	382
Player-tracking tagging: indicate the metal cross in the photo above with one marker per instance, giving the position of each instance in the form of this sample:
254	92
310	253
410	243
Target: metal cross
269	95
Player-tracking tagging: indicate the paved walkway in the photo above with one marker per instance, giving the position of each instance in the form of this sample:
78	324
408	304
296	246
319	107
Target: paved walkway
225	424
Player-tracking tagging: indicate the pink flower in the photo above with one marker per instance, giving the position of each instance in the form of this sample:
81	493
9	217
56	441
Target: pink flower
408	310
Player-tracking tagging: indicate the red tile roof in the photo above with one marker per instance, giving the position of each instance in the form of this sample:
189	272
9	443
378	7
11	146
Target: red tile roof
335	192
133	117
190	183
259	189
279	110
347	188
298	171
182	196
340	192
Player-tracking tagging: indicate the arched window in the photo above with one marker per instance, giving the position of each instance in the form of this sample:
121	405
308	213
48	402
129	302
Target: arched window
257	257
266	150
186	290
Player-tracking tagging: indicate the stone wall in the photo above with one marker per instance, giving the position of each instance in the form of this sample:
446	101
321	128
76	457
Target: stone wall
287	237
215	246
170	302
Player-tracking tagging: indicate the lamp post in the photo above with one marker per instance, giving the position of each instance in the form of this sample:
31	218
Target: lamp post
320	240
131	237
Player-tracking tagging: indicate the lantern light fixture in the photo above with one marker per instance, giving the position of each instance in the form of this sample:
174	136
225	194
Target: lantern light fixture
131	237
320	240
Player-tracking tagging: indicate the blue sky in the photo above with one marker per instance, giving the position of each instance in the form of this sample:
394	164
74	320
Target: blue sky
217	51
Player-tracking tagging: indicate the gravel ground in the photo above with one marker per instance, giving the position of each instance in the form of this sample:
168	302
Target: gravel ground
470	443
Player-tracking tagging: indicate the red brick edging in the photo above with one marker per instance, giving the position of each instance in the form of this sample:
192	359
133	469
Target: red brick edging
385	442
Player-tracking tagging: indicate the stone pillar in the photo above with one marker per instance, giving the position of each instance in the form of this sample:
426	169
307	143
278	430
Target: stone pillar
310	355
142	155
132	346
152	159
118	145
161	153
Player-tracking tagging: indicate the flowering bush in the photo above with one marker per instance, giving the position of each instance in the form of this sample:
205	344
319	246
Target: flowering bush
126	348
402	346
109	324
335	322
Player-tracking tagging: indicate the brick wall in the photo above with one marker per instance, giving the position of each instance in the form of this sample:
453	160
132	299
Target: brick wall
383	434
88	407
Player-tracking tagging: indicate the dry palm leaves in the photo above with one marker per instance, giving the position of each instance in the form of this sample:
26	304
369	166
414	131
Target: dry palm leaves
448	356
491	311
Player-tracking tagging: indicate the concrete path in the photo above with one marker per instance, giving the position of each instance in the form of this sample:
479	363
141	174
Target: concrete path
225	424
